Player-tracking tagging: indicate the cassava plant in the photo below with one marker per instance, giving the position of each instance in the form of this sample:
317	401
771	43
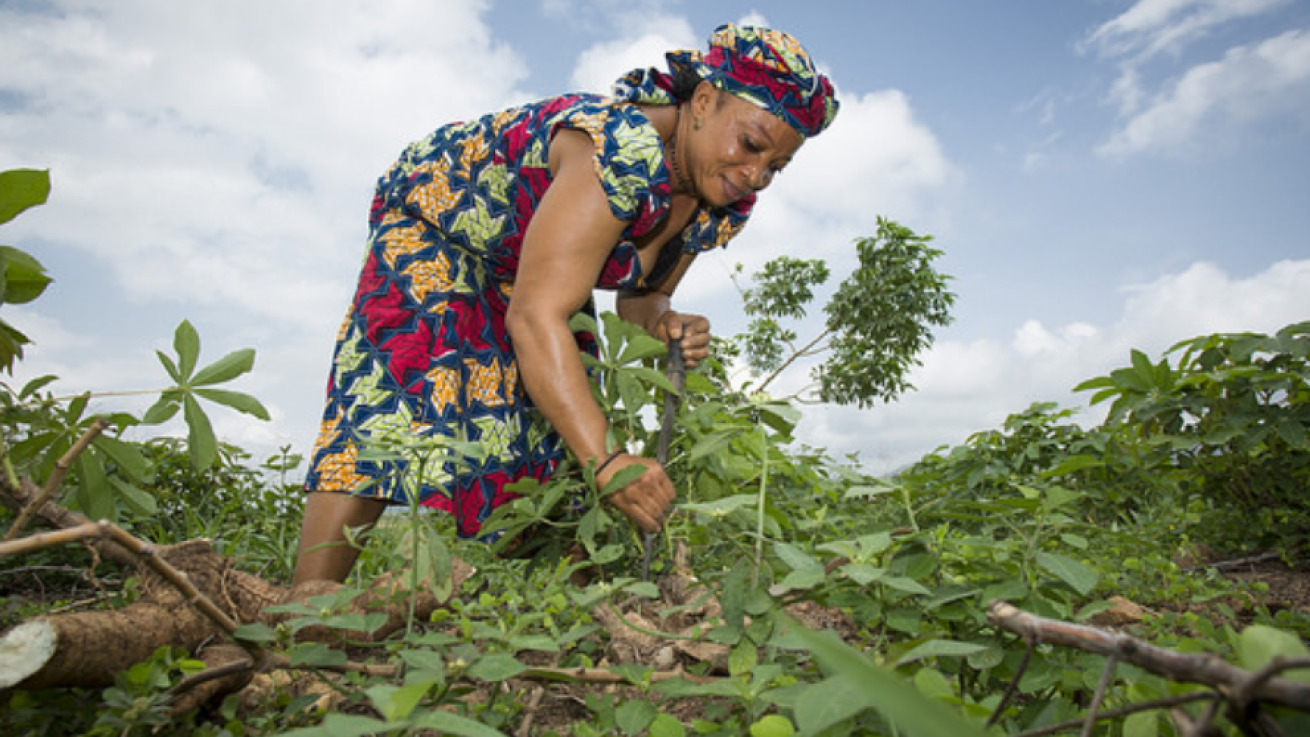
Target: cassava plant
877	322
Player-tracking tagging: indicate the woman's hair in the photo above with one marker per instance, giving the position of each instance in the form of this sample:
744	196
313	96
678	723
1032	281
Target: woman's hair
685	81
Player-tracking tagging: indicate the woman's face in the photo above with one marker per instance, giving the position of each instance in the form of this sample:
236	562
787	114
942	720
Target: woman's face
739	147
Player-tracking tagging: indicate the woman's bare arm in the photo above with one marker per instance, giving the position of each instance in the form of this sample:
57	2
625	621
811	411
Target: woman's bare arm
570	237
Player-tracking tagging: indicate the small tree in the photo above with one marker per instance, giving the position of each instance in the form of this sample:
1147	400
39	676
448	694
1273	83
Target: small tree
878	321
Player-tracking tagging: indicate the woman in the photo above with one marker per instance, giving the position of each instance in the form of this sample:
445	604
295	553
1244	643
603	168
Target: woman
542	203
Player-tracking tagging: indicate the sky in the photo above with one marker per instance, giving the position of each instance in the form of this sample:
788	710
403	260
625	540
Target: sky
1101	175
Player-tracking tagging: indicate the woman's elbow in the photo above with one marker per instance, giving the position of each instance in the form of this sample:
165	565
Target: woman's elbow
517	323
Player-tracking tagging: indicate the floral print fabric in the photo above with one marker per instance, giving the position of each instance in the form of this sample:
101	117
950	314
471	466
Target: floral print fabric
423	351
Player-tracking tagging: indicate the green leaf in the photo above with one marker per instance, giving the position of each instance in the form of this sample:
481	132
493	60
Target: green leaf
496	667
641	347
11	345
1078	576
425	659
94	495
344	725
186	341
829	702
454	724
317	654
1142	724
665	725
1260	644
21	189
720	508
794	557
771	725
634	716
35	385
940	648
868	685
543	643
200	436
25	278
398	702
907	585
170	367
801	579
255	632
141	502
162	410
238	401
714	442
128	456
226	368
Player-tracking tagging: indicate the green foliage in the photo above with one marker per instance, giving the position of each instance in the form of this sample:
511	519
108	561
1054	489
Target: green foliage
1041	512
39	428
1227	415
24	278
881	317
878	321
193	385
244	511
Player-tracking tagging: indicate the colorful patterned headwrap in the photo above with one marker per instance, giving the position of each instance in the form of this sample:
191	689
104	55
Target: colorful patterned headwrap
767	68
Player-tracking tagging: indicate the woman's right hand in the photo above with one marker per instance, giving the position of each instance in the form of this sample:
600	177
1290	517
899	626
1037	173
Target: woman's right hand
646	499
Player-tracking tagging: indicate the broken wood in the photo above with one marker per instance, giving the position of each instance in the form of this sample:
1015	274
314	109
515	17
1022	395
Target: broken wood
65	462
1242	689
190	598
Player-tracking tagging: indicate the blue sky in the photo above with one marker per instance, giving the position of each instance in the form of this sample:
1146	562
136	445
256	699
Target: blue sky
1101	174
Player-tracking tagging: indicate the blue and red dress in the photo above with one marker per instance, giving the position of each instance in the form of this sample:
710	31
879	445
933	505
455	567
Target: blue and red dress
423	350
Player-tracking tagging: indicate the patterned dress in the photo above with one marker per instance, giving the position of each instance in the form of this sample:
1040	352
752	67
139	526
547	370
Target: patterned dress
423	350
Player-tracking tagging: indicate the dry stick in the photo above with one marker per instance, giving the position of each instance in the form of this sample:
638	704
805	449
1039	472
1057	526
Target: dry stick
209	674
64	463
529	712
43	540
144	551
1202	727
1236	562
1107	675
1013	686
1203	669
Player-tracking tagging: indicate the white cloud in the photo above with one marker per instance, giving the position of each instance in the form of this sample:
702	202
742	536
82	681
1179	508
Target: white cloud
218	158
971	386
599	66
206	156
1249	84
1152	27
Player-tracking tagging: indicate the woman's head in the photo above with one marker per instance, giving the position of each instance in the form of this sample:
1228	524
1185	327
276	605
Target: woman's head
765	67
748	103
731	148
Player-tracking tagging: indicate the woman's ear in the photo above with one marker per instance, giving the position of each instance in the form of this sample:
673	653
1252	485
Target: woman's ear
703	101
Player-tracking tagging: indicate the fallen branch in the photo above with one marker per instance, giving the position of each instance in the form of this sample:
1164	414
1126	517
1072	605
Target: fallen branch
145	552
62	465
190	597
1239	687
1226	565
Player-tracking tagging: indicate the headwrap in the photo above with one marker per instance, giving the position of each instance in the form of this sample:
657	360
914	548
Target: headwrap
767	68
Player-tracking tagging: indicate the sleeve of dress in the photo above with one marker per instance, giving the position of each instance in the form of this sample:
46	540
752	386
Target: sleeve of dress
629	162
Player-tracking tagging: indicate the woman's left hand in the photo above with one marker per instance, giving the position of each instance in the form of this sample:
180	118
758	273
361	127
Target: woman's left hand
693	330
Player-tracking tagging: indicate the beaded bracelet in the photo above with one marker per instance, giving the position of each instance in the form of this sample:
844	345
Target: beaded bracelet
607	461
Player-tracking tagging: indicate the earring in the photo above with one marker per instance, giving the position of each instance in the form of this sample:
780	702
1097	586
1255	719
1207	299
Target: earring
695	124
